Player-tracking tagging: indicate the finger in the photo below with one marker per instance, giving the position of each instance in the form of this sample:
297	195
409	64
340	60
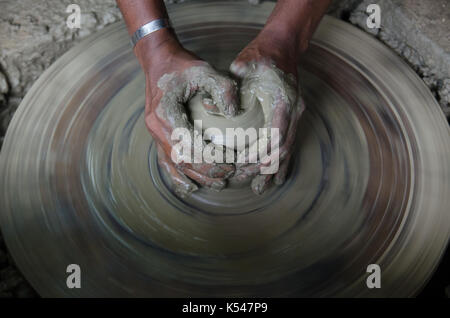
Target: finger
286	149
300	105
212	183
261	183
291	133
210	170
251	153
171	115
182	185
210	106
281	118
210	165
239	68
168	123
246	173
268	141
223	90
279	154
274	134
280	177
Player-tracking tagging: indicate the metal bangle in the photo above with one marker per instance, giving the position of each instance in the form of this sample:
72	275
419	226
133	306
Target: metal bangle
148	28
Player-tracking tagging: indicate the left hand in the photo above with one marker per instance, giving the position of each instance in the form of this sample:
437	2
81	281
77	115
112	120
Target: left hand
173	76
267	68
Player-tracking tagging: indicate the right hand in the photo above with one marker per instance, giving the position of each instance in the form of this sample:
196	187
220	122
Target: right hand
267	68
173	76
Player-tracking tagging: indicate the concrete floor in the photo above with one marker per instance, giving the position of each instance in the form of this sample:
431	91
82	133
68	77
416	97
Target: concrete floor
34	34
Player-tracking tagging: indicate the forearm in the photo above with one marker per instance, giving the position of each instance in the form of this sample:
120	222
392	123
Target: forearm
136	13
294	21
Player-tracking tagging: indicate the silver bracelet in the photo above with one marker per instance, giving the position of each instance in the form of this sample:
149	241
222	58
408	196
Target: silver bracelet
148	28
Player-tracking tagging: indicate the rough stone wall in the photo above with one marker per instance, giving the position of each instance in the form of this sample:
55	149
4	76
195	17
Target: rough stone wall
419	31
33	34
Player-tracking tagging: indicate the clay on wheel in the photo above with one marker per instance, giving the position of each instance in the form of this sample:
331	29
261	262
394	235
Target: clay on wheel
251	116
369	182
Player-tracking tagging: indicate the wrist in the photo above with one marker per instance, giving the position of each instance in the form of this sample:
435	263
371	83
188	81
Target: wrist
279	43
150	49
290	37
297	19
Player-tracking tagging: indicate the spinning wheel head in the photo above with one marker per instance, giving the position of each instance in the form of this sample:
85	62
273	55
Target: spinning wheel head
369	183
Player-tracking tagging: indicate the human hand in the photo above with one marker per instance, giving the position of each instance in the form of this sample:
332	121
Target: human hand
267	68
173	76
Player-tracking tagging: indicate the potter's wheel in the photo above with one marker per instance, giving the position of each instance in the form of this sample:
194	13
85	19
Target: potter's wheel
370	182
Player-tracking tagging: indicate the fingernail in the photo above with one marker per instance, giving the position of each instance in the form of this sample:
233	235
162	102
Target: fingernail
185	189
257	189
216	172
260	184
238	69
229	173
221	172
280	179
218	185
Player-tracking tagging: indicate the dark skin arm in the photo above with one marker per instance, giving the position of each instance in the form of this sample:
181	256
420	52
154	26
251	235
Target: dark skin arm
287	33
280	43
160	53
285	36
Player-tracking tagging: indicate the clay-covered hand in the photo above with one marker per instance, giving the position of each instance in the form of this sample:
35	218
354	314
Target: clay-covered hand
173	76
268	73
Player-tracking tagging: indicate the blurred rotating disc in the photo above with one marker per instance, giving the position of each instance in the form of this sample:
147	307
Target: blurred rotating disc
369	182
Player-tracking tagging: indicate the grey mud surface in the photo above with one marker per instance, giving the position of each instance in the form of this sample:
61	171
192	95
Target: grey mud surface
419	31
34	34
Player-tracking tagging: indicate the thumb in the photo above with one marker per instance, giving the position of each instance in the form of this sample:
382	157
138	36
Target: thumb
223	90
239	68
